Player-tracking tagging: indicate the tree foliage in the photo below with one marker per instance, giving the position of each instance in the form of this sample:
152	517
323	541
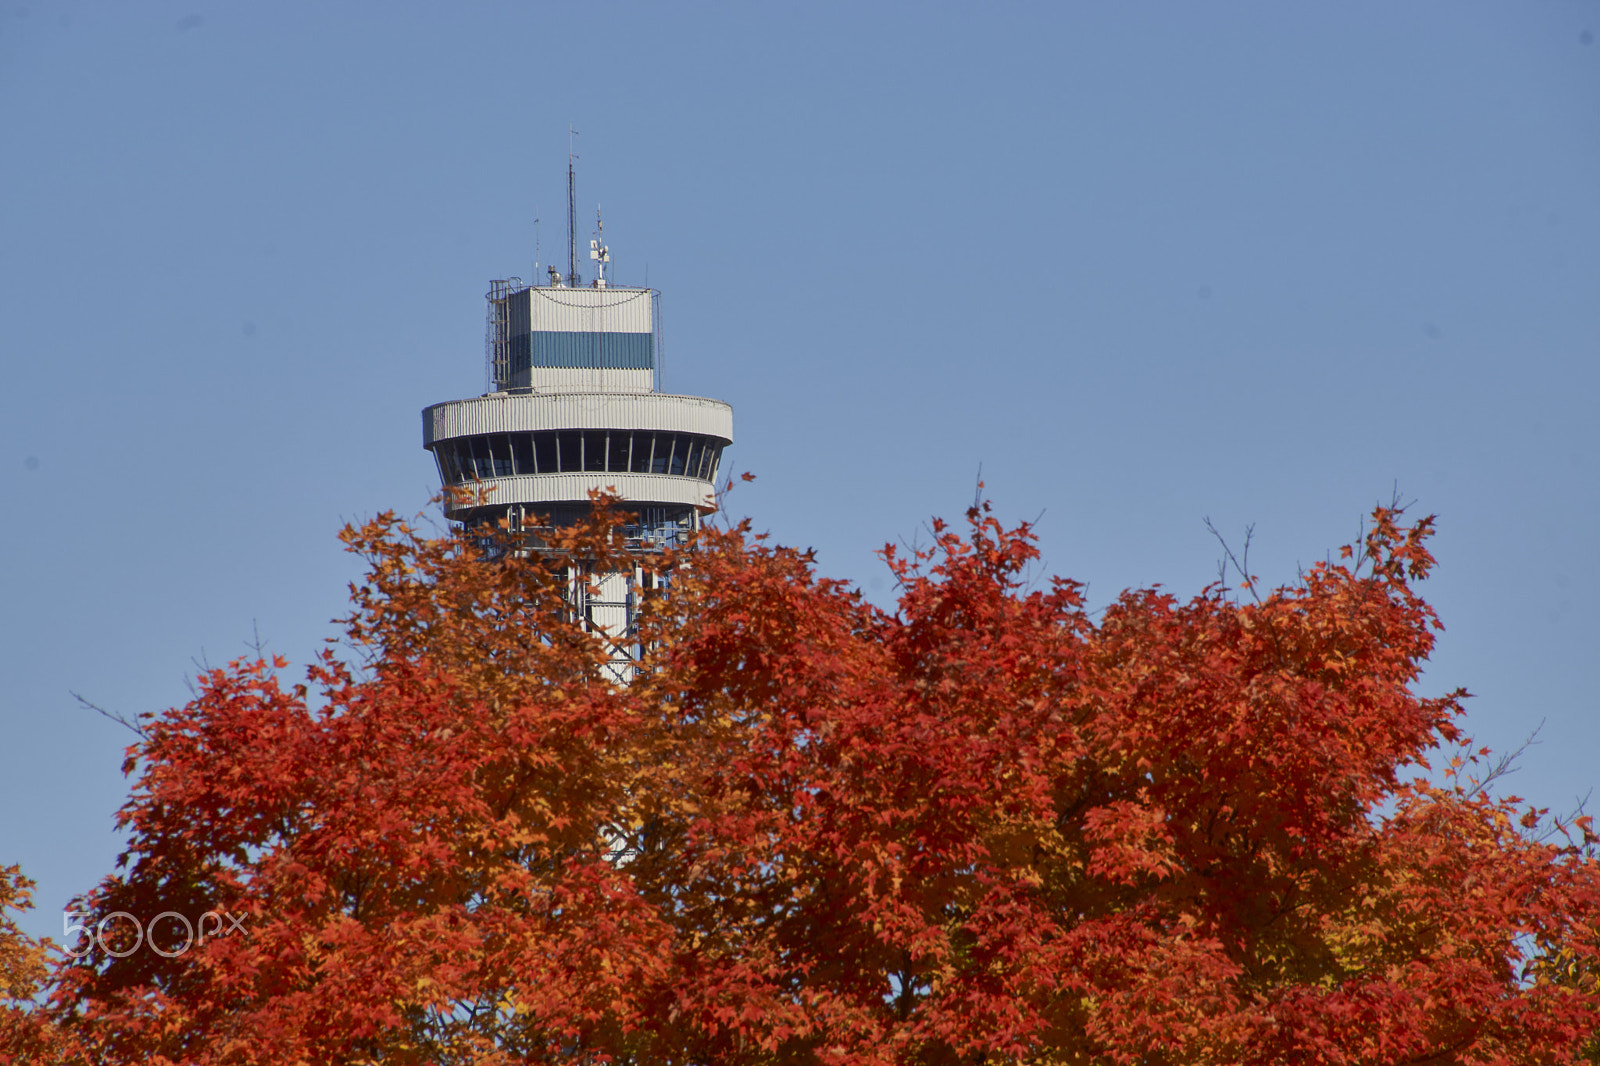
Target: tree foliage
983	828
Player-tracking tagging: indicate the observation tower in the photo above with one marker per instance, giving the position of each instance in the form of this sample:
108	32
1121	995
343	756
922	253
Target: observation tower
573	405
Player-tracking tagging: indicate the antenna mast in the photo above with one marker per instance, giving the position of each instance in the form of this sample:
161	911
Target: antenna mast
598	251
572	214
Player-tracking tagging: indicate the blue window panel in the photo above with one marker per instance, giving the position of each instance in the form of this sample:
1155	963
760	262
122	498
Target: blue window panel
592	351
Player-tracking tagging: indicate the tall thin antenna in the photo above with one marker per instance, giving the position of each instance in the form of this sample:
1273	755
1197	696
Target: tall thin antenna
572	213
536	244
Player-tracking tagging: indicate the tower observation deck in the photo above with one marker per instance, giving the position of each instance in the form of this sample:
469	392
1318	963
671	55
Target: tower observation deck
573	407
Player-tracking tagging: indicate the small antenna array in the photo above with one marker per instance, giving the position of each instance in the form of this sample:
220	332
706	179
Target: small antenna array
599	252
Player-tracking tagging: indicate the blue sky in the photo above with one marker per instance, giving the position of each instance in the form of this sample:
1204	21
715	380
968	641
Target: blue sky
1143	263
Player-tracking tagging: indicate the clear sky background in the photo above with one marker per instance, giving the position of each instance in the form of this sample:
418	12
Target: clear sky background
1145	263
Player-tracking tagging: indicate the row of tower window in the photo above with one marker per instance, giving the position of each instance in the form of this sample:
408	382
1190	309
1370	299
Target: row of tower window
566	451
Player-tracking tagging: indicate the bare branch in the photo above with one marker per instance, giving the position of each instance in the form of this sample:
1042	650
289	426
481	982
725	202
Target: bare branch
120	719
1504	765
1397	503
1240	563
255	643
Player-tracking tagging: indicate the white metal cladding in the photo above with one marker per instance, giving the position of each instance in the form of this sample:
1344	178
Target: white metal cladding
587	379
560	310
567	488
523	412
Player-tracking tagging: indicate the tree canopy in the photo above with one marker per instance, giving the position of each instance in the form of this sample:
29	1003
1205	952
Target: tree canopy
989	826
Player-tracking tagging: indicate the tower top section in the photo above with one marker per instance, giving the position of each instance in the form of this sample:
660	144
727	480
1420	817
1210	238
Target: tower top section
572	408
557	338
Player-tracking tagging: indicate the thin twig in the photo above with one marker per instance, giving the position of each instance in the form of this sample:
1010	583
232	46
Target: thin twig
120	719
1240	565
1504	764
